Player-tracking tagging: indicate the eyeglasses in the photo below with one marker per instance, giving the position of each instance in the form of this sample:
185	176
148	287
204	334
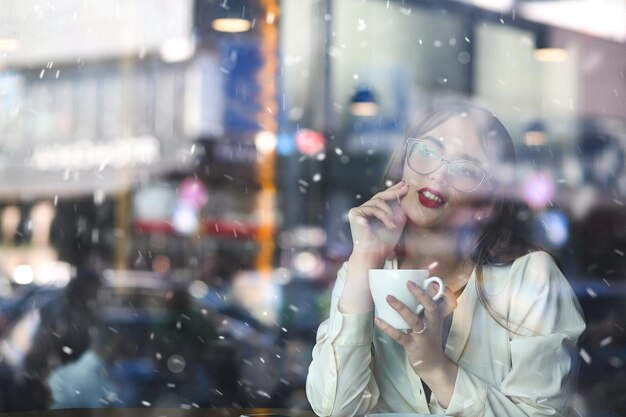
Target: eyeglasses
464	176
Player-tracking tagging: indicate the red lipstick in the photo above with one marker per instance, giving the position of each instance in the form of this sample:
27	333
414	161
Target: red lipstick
430	198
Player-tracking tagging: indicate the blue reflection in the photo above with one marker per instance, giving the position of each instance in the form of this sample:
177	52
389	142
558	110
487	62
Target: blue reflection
286	144
555	227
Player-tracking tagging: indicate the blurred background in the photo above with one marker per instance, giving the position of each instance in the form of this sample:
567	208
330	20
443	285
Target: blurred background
175	177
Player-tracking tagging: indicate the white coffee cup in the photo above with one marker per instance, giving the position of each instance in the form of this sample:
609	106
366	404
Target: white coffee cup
384	282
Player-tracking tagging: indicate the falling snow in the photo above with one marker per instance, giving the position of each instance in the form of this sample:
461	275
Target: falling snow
160	358
585	356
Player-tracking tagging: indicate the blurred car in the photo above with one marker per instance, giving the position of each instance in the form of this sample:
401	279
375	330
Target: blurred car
167	348
22	298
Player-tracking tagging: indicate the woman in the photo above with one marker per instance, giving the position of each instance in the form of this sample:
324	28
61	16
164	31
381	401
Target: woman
502	340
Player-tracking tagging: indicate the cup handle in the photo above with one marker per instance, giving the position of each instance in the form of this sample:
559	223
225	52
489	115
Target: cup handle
437	296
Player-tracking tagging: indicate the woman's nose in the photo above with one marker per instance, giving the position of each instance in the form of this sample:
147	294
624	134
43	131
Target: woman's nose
440	175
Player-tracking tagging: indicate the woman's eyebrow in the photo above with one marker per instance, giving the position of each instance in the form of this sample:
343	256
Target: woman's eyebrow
465	156
471	159
434	141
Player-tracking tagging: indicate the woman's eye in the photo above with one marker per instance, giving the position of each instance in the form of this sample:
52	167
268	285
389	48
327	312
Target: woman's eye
469	171
426	151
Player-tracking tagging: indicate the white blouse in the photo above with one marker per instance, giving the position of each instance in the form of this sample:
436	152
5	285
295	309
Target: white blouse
357	369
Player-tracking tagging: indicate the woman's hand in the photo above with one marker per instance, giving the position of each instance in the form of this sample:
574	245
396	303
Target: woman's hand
423	344
377	225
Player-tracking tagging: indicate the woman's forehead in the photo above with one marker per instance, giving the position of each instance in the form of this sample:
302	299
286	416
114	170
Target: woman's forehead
457	135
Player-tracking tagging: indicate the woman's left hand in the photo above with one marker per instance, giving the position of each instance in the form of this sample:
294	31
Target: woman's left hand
423	348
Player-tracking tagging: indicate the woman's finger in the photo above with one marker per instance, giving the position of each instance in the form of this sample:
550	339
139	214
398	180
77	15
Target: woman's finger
406	313
430	306
395	334
381	204
367	211
399	184
393	192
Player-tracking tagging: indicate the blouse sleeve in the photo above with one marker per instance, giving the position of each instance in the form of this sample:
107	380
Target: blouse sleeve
340	380
546	322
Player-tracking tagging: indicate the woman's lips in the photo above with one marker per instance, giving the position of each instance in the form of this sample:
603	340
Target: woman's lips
430	198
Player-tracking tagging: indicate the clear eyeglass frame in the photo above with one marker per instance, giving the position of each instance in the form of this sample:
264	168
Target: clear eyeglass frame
442	160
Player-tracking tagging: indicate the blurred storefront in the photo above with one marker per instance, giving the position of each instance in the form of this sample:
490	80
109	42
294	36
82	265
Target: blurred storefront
124	121
227	157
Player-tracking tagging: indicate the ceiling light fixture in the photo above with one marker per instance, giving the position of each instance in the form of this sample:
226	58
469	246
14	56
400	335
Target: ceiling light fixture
231	25
363	102
535	134
545	51
550	54
232	17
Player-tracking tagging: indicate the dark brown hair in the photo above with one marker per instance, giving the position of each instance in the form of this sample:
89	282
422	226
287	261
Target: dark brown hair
497	242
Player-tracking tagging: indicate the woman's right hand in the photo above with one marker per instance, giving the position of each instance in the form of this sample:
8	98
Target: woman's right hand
377	224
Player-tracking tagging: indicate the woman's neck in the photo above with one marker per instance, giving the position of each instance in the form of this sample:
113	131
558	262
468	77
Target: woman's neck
437	250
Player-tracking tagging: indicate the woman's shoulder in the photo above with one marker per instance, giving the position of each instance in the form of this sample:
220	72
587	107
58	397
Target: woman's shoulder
539	259
535	265
535	269
541	297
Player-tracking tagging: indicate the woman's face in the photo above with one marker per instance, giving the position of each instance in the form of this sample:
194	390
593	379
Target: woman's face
432	200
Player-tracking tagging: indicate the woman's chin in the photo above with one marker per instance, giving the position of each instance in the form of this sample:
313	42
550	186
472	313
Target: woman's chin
425	221
439	222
